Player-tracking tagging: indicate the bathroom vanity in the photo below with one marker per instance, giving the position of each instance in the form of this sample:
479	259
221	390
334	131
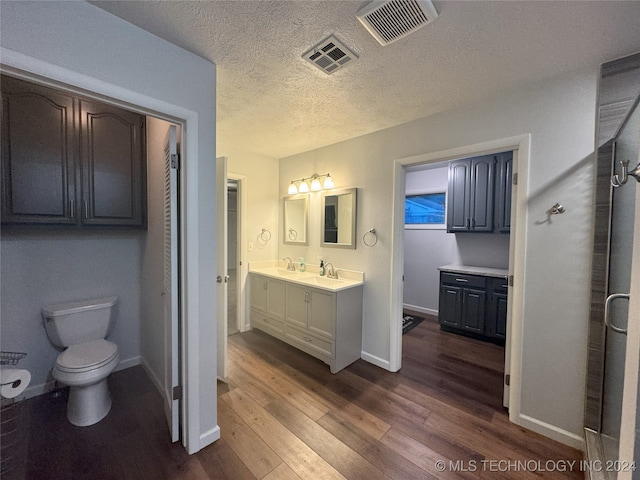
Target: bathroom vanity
318	315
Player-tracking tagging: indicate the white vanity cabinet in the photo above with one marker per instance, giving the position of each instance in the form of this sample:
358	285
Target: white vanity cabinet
323	323
267	303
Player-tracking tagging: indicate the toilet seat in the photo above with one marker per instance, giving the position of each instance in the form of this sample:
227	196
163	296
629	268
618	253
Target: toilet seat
86	356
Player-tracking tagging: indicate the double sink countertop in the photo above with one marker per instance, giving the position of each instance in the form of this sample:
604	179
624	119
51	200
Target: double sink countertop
469	270
310	277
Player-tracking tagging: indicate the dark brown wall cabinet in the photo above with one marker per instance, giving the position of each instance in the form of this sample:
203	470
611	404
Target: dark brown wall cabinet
67	160
473	305
479	194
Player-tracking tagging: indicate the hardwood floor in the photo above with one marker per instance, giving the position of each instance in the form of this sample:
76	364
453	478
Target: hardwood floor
283	416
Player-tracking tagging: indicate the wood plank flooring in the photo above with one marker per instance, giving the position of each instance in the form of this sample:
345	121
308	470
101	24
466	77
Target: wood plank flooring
284	416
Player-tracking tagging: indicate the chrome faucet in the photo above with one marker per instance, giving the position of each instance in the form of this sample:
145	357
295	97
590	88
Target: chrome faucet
331	272
290	264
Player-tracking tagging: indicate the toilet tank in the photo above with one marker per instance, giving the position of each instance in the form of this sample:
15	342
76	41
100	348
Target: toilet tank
77	322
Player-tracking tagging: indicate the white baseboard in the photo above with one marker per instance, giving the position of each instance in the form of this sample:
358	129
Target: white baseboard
551	431
379	362
427	311
47	387
154	379
207	438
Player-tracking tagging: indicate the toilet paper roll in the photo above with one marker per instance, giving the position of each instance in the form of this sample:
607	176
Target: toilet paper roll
13	381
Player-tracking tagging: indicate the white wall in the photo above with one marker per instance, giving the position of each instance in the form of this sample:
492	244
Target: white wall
426	250
78	44
48	267
560	116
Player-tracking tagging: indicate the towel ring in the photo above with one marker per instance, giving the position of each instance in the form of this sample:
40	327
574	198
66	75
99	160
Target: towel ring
292	234
265	235
372	238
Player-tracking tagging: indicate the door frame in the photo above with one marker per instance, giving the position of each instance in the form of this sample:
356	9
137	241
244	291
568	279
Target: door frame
520	145
37	71
242	266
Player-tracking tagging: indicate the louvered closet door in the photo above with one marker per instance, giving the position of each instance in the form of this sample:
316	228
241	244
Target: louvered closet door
172	356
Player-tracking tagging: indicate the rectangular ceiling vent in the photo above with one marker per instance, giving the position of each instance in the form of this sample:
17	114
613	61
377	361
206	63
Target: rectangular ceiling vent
391	20
329	55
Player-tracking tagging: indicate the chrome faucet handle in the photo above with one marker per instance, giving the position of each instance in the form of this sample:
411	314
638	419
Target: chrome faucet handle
290	265
331	273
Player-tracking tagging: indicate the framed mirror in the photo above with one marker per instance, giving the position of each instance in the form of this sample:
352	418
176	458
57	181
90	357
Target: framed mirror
296	220
338	227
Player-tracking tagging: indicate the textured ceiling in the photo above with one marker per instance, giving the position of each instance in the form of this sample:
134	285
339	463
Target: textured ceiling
271	101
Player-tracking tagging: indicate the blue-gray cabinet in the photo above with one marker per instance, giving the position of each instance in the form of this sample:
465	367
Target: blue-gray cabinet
479	194
67	160
473	305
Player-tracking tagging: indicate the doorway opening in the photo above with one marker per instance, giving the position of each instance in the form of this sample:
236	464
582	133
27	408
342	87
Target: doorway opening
513	343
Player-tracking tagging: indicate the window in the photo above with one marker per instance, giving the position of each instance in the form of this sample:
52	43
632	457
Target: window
425	211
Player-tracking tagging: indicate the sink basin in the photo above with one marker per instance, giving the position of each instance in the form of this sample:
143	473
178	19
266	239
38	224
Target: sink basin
325	282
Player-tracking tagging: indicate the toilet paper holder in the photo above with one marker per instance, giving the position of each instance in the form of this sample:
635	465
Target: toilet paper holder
11	358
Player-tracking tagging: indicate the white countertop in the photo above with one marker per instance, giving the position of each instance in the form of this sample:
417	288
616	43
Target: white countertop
484	271
310	277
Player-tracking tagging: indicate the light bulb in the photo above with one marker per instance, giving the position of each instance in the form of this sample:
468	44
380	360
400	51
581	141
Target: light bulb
328	182
304	187
315	184
292	189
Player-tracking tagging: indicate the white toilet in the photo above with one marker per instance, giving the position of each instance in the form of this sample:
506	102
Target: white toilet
88	359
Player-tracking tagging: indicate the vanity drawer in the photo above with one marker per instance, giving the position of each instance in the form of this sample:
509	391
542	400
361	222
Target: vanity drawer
260	320
462	280
318	345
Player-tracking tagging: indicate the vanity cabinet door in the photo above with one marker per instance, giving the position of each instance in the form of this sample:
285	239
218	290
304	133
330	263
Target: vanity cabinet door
113	170
321	313
38	154
276	299
259	292
297	305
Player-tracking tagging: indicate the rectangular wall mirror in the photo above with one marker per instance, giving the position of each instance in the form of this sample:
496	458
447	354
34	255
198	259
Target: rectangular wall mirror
296	220
339	218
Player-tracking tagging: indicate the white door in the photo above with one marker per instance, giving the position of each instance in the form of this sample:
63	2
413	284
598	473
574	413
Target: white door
172	352
221	276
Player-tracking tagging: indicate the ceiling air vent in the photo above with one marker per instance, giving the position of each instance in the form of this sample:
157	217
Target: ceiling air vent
329	55
391	20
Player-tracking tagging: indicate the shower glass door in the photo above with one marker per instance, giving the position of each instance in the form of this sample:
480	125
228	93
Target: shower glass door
623	217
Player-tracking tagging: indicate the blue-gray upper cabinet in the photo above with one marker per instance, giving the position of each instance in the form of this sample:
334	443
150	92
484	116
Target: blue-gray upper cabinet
479	194
470	194
38	154
504	188
67	160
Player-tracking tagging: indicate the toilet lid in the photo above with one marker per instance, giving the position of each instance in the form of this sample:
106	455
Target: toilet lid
87	355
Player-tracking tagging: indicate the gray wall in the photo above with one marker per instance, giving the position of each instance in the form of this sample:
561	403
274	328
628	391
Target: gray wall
47	267
426	250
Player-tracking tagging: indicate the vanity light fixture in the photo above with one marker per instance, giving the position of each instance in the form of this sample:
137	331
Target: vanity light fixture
315	184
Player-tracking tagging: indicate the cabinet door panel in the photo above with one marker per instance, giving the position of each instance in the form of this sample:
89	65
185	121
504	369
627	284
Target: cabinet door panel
113	169
482	186
297	305
450	306
38	151
504	188
458	197
259	287
321	313
474	310
501	315
275	299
